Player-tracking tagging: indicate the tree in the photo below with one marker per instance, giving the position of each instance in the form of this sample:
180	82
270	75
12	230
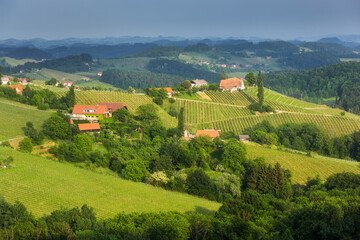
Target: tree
131	90
71	96
199	183
223	75
83	141
251	78
51	81
234	155
181	120
147	112
26	145
122	115
56	127
260	89
187	84
135	170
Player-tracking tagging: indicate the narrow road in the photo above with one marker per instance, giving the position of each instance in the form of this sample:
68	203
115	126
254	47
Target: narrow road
7	140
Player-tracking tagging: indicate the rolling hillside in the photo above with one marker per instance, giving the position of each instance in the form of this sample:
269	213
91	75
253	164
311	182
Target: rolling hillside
14	117
44	185
228	112
301	166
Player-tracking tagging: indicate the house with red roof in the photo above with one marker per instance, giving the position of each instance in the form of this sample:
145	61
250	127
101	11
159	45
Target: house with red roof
23	81
99	74
232	84
5	80
90	112
18	88
169	91
213	133
112	107
68	84
89	127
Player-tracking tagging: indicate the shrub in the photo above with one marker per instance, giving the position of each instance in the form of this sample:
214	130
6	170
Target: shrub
171	100
25	145
158	101
135	171
44	106
6	144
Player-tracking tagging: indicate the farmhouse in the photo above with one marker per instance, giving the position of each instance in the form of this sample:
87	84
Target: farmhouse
170	92
22	81
5	80
198	82
68	84
90	112
18	88
213	133
99	74
232	84
244	138
89	127
112	107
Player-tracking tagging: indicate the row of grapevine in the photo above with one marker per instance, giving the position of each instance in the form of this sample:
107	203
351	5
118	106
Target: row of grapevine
334	126
200	112
236	98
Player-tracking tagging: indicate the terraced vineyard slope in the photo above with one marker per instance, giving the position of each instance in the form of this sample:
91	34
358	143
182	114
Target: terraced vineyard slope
44	185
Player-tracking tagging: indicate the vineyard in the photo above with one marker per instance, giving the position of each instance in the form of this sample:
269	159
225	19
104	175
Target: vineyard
46	74
198	112
334	126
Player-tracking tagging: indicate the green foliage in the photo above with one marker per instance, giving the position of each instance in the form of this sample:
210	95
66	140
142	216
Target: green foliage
135	171
57	127
234	155
147	112
260	94
181	122
51	81
122	115
6	144
25	145
199	183
83	141
223	75
186	84
158	100
251	78
71	96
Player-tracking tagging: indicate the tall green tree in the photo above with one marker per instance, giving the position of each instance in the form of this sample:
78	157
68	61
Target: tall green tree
223	75
251	78
181	120
260	89
71	96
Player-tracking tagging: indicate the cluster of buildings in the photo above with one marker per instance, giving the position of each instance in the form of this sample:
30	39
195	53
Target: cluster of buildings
93	114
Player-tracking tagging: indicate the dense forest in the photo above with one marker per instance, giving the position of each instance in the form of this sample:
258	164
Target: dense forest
124	79
69	64
340	80
181	69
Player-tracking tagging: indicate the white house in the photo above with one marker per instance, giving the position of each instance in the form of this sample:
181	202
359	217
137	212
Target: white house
198	82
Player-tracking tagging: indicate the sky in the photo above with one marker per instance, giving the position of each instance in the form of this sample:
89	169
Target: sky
277	19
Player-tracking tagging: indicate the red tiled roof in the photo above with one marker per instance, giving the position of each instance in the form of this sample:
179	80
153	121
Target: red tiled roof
210	133
112	107
168	89
79	109
68	82
88	126
18	87
230	83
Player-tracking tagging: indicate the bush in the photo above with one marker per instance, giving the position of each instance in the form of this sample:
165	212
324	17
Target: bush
44	106
135	171
257	107
6	144
25	145
171	100
199	183
158	101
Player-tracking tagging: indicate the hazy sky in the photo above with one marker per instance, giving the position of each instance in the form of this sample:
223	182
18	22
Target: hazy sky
285	19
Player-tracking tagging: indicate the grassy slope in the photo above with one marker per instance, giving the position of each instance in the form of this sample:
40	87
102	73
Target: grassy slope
15	62
15	115
302	166
44	185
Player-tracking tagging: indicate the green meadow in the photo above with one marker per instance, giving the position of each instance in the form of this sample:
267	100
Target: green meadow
13	117
44	185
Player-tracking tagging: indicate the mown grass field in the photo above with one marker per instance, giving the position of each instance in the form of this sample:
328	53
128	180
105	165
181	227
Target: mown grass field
46	74
15	62
44	185
13	117
302	166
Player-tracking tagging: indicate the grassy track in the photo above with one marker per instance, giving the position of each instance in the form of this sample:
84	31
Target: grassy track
44	185
13	116
302	166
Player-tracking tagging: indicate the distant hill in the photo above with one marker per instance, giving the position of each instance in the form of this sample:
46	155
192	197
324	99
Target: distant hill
25	53
338	41
340	81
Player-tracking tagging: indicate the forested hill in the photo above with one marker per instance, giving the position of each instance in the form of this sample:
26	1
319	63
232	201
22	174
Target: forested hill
69	64
341	80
